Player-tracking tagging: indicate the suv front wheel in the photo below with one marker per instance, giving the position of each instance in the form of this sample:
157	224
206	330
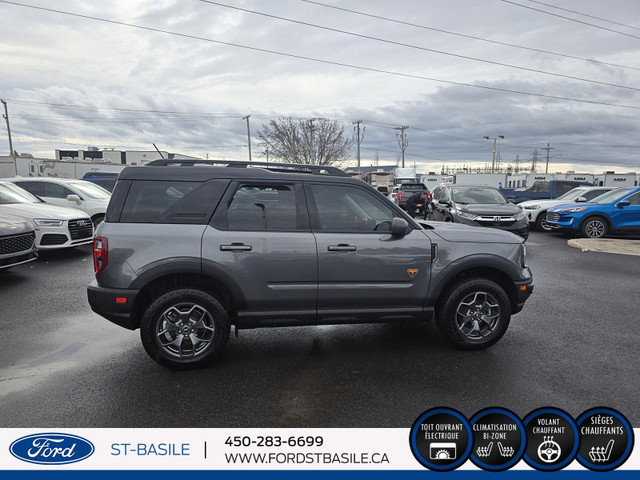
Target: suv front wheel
474	313
184	328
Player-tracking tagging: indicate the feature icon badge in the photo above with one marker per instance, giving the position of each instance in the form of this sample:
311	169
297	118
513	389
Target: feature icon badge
498	439
441	439
552	439
606	439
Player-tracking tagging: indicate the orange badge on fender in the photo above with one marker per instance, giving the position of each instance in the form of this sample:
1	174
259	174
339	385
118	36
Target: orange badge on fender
412	272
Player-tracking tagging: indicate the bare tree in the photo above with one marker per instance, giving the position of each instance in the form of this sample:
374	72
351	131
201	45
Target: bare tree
316	141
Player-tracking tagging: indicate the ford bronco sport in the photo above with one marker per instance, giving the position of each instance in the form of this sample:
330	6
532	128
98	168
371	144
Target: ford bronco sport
189	249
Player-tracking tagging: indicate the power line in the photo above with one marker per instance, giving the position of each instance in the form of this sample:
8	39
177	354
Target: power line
572	19
329	62
585	14
417	47
496	42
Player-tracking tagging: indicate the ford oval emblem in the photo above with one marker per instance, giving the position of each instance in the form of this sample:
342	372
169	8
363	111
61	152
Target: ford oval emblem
51	448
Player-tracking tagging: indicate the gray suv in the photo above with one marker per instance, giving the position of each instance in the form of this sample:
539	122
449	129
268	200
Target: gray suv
189	249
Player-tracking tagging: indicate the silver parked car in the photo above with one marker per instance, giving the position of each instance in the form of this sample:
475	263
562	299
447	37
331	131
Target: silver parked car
17	241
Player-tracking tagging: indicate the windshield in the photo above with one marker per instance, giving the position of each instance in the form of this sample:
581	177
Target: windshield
478	195
572	194
91	190
612	196
13	194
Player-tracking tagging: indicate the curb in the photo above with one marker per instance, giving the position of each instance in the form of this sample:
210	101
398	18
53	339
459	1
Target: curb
606	245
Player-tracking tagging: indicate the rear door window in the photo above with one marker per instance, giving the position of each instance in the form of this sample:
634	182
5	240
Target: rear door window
172	202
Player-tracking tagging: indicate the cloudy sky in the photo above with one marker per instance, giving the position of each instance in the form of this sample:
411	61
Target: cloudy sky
182	73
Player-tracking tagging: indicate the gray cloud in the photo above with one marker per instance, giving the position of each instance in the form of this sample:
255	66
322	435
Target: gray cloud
52	58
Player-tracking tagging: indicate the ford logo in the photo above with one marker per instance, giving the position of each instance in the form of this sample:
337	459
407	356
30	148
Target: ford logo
51	448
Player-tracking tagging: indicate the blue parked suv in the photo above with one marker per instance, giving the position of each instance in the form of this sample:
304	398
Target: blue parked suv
617	211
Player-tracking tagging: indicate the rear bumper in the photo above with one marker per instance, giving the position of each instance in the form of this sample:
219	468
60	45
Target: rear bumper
114	304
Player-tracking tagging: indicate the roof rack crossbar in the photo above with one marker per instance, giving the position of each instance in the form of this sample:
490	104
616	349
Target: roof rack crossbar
273	166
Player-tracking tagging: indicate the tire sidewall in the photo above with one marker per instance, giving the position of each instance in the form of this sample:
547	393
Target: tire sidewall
585	222
540	222
446	316
153	314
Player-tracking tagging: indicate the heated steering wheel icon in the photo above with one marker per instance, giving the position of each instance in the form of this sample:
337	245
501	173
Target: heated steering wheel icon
549	451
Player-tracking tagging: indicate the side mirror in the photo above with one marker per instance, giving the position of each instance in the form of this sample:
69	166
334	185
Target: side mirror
74	198
581	199
444	202
623	203
399	227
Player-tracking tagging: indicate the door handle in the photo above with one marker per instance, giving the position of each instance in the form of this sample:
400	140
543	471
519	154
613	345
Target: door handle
343	247
235	247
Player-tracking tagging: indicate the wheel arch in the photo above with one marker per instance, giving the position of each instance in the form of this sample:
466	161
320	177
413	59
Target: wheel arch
214	283
593	215
478	269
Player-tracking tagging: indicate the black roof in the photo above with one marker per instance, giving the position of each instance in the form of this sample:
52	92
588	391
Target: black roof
202	170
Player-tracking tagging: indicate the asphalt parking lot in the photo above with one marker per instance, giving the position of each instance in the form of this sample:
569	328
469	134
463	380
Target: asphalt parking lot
574	346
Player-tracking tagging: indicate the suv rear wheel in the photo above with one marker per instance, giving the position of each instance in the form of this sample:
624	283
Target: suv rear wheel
184	328
474	314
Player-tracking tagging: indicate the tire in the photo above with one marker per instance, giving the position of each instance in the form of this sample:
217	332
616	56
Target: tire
171	322
541	223
97	220
474	313
594	227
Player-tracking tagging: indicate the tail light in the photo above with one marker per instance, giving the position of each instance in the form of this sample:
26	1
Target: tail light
399	196
100	254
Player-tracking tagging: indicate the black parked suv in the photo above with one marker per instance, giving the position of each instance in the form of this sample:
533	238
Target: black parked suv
187	251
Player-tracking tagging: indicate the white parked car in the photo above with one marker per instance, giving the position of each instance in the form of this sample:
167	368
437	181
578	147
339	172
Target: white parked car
536	210
55	227
65	192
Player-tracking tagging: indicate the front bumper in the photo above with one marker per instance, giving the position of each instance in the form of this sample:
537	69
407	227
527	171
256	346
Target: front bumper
519	227
524	289
114	304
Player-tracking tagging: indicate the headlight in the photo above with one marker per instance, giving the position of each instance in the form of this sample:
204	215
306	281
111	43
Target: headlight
532	207
47	222
519	216
574	210
468	216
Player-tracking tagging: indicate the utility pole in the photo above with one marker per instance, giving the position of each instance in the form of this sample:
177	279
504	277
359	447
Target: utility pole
13	153
402	141
357	127
548	149
248	134
495	139
534	161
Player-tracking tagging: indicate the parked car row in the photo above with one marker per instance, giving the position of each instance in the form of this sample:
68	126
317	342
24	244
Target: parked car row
46	213
614	212
588	211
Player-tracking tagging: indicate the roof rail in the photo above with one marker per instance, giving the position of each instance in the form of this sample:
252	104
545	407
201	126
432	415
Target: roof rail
276	167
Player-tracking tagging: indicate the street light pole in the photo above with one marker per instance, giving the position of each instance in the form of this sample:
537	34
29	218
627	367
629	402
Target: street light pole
13	154
248	134
493	162
402	142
